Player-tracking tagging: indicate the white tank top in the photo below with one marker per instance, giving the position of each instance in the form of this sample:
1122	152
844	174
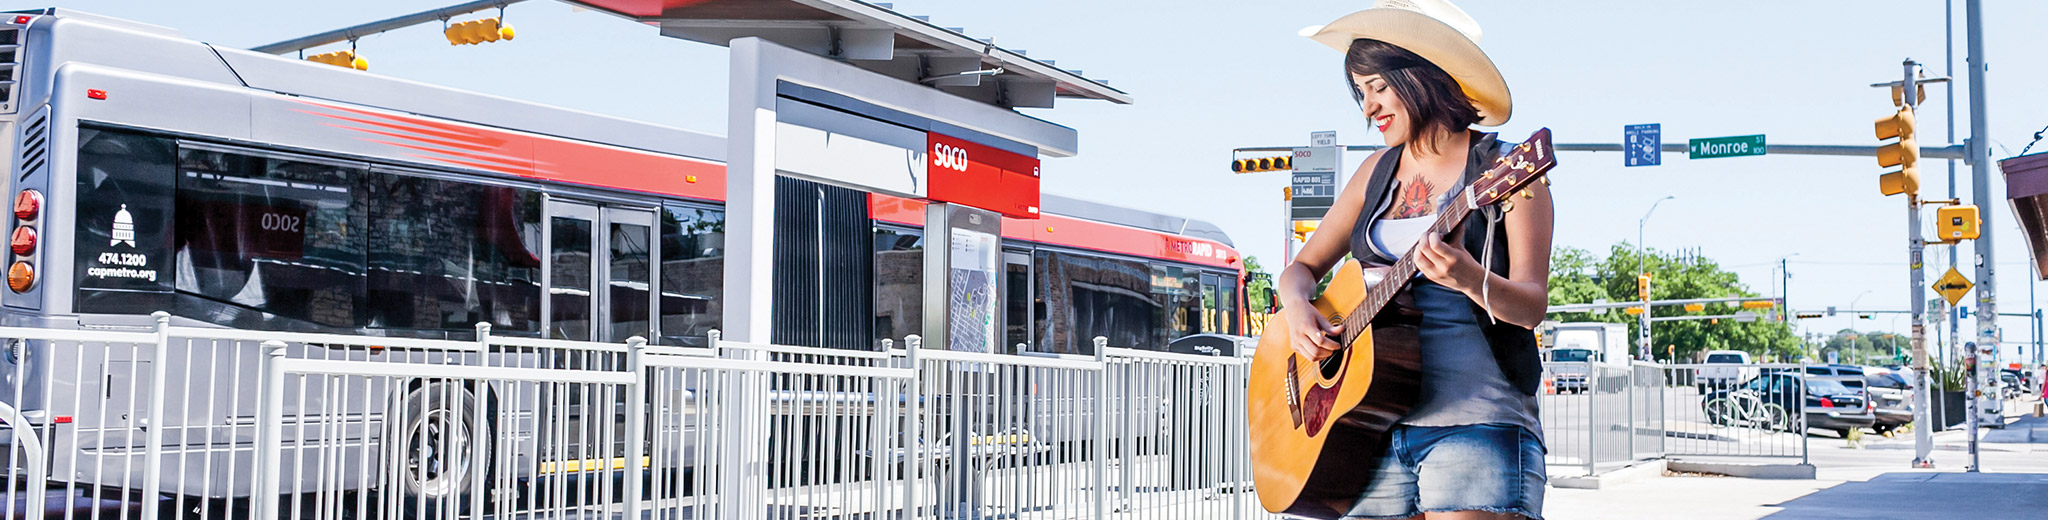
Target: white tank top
1395	236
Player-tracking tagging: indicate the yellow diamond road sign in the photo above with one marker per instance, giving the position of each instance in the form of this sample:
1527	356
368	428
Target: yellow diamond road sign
1952	286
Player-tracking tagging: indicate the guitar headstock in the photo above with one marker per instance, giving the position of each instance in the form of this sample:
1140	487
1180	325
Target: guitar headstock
1525	164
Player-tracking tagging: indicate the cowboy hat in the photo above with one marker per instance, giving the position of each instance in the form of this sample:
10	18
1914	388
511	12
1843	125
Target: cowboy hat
1435	30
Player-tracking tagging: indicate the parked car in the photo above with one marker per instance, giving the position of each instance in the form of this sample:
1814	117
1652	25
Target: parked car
2009	385
1829	404
1707	378
1891	397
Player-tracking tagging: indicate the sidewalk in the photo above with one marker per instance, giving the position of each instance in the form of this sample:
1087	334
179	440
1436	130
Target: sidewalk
1868	482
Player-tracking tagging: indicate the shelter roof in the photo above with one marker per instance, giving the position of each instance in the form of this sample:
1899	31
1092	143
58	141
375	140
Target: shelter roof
875	37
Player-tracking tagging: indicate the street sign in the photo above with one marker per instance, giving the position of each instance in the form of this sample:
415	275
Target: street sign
1315	179
1642	145
1952	286
1325	138
1732	146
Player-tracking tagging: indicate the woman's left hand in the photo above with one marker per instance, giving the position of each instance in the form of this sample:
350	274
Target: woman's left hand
1448	265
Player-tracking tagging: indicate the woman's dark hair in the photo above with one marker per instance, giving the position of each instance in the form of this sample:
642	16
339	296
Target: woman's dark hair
1434	100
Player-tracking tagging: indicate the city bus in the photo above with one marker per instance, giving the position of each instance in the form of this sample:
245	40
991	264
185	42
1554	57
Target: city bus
241	190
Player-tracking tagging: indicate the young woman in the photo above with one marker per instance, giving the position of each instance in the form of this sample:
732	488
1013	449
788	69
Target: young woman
1471	447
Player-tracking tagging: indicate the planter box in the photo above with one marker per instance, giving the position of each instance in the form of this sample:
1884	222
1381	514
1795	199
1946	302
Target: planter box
1950	409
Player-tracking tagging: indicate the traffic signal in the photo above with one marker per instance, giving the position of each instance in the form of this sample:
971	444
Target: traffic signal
1758	304
477	31
1632	311
1643	286
1695	307
1303	227
1262	164
1955	223
345	59
1903	153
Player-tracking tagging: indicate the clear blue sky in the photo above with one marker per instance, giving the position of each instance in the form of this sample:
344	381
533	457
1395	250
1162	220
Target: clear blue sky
1212	75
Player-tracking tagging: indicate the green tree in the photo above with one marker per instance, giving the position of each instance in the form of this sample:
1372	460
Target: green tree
1852	346
1577	276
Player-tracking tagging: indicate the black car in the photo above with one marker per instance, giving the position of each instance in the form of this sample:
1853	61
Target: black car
1829	404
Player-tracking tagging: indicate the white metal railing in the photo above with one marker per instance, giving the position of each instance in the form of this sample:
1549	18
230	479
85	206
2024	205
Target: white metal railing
527	427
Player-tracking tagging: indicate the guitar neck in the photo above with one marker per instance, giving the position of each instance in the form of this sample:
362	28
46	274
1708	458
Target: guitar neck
1402	271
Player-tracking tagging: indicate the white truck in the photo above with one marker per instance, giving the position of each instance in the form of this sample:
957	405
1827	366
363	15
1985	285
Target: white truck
1572	345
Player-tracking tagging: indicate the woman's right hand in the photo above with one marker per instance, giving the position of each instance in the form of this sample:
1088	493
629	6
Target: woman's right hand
1309	332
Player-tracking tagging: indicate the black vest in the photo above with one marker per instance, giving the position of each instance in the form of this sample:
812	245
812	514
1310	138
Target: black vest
1514	347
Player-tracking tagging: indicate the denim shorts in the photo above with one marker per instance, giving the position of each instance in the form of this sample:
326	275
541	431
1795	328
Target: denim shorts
1480	467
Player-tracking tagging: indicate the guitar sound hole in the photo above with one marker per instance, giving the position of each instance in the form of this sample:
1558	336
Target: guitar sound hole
1329	365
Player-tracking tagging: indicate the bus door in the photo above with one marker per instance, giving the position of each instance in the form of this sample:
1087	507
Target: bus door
600	271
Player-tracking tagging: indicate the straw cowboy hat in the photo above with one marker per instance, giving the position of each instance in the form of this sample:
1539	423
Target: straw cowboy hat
1435	30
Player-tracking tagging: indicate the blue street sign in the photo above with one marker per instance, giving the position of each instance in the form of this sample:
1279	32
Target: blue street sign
1642	145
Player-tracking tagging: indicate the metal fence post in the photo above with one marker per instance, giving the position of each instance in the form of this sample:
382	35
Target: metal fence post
1628	388
476	449
159	361
636	424
1805	445
913	428
1592	392
270	432
1101	414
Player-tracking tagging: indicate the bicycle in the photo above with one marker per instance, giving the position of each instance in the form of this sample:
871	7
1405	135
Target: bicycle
1746	408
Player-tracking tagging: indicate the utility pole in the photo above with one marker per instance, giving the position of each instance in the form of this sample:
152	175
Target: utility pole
1906	181
1979	158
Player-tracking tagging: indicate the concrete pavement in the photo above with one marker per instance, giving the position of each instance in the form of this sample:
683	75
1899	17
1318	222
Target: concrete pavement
1870	481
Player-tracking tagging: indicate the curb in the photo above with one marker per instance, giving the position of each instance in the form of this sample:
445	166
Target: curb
1638	471
1746	470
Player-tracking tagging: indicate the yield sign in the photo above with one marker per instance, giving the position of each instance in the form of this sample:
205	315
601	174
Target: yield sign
1952	286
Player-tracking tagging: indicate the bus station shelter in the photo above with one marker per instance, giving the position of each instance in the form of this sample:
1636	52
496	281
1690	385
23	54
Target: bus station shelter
861	100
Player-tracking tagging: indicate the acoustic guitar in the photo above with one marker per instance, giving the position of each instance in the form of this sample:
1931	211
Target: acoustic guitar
1319	427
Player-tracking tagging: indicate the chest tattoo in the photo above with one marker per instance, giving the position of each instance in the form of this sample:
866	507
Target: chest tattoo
1413	200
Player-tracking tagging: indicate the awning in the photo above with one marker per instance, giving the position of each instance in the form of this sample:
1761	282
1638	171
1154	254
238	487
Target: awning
876	38
2026	187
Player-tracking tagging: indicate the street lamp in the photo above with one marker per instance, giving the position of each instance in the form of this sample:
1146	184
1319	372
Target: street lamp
1643	350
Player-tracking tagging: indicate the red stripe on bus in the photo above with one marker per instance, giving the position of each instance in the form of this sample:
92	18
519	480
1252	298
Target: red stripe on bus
538	156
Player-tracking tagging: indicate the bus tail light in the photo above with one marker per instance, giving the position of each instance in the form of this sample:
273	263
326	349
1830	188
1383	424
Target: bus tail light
21	277
24	241
28	204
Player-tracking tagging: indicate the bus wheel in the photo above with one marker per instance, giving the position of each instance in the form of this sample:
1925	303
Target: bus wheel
432	444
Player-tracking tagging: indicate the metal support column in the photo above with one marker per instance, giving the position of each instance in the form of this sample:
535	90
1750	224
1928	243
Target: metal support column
1980	194
1923	444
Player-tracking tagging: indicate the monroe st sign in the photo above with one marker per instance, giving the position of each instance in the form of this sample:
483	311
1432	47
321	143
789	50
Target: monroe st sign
1733	146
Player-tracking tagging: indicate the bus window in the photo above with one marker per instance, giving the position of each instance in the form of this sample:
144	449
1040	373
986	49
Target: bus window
1212	300
263	239
123	245
1016	301
692	273
444	255
1178	291
1104	297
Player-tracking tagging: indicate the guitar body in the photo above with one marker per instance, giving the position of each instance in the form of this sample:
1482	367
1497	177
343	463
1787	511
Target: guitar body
1318	429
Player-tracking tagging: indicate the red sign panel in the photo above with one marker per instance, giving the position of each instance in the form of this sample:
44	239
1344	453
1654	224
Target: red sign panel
972	174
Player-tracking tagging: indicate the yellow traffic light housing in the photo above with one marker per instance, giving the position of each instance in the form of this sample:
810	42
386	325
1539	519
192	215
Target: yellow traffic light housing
1695	307
1633	311
1758	304
345	59
1903	153
1956	223
1643	286
478	31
